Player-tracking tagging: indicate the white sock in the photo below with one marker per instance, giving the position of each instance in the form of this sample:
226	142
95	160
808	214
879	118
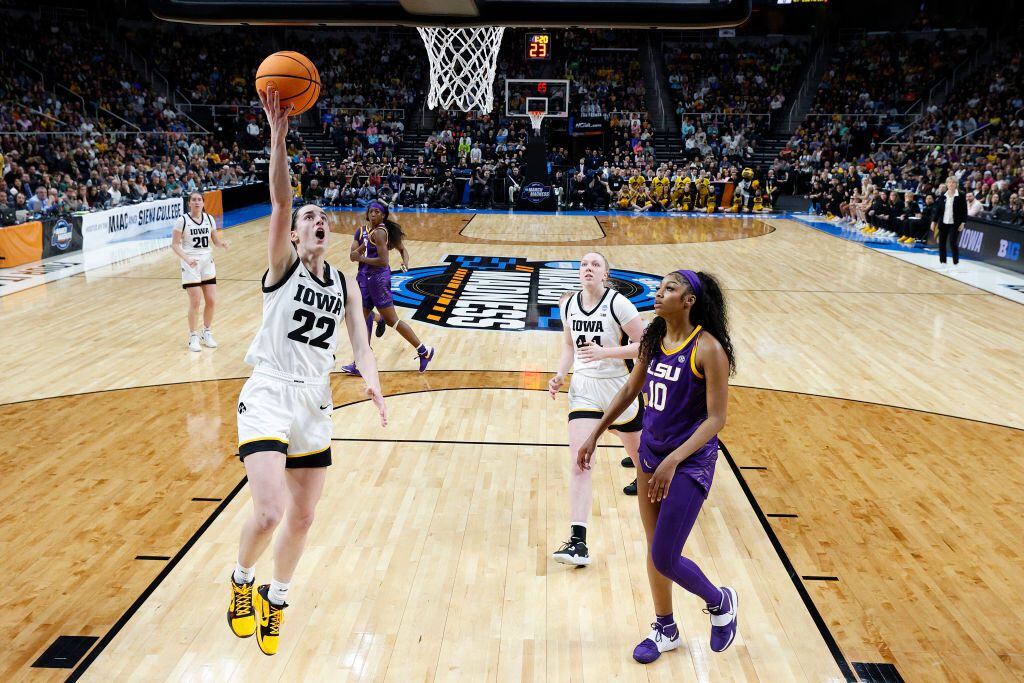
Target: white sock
278	591
243	574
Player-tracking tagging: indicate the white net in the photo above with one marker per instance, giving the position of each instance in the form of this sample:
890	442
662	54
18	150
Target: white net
462	64
536	118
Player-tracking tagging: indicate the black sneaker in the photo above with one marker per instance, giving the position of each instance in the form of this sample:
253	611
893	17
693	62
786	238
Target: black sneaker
573	551
630	489
381	327
628	462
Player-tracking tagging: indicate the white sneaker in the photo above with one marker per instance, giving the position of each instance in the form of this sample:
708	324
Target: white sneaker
193	343
208	339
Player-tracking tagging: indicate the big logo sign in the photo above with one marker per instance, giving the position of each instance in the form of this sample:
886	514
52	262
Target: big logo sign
504	293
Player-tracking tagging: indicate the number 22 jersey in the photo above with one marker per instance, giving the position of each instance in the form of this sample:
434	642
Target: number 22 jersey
301	317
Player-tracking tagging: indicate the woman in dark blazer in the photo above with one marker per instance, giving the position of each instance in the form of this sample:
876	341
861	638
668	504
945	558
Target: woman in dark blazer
948	222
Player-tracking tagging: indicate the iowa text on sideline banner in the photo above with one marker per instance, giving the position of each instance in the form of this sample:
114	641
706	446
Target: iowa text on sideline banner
21	244
214	205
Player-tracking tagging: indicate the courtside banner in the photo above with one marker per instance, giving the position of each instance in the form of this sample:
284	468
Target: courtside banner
123	222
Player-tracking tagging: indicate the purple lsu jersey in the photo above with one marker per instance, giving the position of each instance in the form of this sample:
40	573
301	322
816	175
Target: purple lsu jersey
363	235
675	400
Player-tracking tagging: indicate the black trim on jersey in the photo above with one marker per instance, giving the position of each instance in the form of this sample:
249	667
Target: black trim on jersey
634	425
579	302
284	278
327	281
344	289
624	341
611	307
261	445
201	222
319	459
585	415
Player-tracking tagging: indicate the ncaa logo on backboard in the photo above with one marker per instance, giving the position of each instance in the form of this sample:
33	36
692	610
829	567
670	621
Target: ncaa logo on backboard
504	293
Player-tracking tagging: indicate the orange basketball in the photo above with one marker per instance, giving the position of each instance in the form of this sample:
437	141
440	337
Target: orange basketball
294	76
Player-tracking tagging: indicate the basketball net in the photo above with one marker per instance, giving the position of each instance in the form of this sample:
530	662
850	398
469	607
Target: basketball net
462	65
536	118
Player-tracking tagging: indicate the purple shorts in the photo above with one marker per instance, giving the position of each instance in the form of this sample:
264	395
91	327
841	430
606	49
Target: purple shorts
700	466
375	287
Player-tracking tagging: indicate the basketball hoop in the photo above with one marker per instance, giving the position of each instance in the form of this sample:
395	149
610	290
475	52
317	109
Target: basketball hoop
462	65
536	117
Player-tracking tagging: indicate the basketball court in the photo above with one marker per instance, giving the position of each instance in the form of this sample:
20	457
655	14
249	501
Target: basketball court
836	503
865	504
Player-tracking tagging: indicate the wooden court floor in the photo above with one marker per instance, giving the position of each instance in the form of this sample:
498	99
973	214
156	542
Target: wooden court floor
867	507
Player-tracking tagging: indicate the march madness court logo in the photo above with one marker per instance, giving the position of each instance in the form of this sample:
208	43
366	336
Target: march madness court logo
504	293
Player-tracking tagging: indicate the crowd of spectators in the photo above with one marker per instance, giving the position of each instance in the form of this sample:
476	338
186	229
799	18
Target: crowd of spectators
727	92
44	174
975	136
475	158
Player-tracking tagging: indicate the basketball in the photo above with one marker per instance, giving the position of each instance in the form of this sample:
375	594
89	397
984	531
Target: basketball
294	76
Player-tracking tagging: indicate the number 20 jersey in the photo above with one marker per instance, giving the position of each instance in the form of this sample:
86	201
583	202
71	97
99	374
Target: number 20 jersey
301	319
196	237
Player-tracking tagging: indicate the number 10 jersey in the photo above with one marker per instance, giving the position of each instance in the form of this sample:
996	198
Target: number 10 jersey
301	317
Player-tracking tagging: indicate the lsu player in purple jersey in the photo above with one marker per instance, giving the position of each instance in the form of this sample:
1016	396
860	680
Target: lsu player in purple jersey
371	245
685	361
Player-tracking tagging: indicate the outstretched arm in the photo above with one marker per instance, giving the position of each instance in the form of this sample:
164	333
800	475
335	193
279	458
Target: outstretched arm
279	248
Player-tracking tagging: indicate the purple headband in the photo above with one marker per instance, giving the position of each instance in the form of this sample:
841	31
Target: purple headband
693	280
377	205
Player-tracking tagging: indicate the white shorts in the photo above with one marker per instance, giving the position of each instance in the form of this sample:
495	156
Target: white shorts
205	272
280	414
589	397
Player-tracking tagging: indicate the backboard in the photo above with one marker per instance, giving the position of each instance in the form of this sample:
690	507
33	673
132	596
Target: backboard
548	13
549	95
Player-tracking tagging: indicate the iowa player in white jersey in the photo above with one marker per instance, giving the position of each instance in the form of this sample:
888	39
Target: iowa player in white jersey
284	410
192	239
601	333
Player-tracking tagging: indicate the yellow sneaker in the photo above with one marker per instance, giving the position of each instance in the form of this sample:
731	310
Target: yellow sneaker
241	617
271	618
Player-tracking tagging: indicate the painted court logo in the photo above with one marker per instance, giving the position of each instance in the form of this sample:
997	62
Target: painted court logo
503	293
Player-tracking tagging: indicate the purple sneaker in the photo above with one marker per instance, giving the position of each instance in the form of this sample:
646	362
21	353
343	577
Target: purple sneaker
651	647
724	621
425	358
351	369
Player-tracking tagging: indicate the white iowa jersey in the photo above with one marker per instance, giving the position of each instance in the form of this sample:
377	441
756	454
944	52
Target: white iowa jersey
602	325
196	238
301	319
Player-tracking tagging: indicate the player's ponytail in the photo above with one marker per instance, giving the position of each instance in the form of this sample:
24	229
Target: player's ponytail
395	234
710	312
651	341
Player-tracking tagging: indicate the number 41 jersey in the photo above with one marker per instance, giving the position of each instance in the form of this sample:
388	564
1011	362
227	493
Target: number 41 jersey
301	318
603	326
